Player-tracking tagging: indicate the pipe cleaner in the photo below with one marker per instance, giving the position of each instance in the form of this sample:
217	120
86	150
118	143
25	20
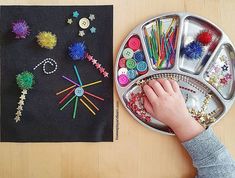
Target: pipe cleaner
21	29
25	82
46	40
79	51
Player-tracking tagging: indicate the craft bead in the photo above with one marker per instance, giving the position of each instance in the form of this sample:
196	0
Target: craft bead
131	74
122	71
122	62
130	63
84	23
123	80
139	56
142	67
128	53
134	43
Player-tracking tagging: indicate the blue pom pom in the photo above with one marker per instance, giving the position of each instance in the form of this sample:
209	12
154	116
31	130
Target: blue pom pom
77	51
193	50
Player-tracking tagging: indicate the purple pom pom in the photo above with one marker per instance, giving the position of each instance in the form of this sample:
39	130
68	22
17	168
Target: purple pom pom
20	28
193	50
77	51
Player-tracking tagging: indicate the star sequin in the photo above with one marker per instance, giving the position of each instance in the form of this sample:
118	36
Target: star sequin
81	33
224	67
24	92
106	74
93	30
92	17
228	76
97	65
94	61
223	81
70	21
75	14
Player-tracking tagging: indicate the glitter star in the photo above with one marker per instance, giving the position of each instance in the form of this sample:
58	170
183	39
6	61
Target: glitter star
20	107
75	14
106	74
228	76
102	70
69	21
24	92
94	61
21	102
22	97
18	113
81	33
97	65
93	30
224	68
223	81
92	17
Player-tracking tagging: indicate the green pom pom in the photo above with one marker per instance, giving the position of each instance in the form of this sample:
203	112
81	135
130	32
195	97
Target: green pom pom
25	80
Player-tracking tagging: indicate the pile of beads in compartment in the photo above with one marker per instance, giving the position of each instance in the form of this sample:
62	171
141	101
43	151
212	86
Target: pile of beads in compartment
132	62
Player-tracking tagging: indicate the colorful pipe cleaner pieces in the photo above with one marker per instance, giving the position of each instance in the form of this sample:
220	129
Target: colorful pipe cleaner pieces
46	40
78	51
161	42
21	29
77	89
25	82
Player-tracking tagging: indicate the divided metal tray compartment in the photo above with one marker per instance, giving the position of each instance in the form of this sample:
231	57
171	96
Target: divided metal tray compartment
224	40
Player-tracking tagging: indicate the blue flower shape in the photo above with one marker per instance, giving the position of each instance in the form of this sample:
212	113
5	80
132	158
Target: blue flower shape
193	50
77	51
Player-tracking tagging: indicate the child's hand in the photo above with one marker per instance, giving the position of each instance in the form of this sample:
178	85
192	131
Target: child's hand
165	102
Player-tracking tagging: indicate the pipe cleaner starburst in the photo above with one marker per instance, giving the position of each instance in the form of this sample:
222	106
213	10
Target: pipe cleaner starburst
77	89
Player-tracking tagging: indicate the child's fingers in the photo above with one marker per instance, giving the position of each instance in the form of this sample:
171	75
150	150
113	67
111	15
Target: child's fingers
148	106
166	85
151	95
156	86
174	85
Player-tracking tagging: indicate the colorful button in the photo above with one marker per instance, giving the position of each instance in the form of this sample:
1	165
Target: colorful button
123	80
139	56
130	63
84	23
122	71
131	74
79	91
122	62
128	53
134	43
142	67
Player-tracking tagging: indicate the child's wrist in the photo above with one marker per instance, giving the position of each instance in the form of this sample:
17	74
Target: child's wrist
187	129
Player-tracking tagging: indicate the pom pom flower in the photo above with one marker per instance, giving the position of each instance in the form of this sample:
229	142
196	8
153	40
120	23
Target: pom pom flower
46	40
193	50
205	37
25	81
77	51
21	29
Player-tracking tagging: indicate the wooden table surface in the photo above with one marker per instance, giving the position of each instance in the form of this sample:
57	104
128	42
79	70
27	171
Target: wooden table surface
138	152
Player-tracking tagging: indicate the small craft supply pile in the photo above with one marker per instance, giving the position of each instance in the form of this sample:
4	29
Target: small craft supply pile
84	23
132	62
195	53
161	40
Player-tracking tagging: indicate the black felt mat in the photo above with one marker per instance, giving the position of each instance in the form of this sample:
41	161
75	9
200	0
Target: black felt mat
42	121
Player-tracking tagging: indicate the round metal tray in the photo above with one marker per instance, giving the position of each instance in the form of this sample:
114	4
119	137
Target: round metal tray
208	97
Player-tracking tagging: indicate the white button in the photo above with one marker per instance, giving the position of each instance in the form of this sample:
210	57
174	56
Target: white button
84	23
122	71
